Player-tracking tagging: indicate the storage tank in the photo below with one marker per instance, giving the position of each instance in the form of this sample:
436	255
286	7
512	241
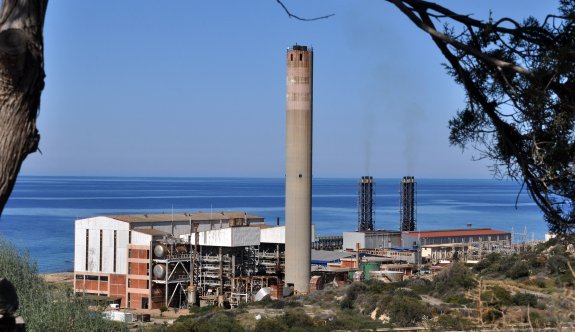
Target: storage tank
160	251
159	271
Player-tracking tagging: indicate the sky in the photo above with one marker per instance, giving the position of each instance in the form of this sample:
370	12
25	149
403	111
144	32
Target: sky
197	88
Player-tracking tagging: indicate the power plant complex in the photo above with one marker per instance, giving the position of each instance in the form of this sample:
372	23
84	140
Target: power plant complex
148	261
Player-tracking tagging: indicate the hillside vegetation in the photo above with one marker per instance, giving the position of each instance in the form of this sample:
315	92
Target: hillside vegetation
46	307
531	290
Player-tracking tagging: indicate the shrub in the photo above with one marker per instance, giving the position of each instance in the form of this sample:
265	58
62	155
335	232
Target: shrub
489	263
453	280
46	308
524	299
450	322
518	270
557	264
296	318
491	315
270	325
406	309
502	296
218	322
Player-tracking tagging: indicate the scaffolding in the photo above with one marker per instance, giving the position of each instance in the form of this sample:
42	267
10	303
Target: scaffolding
171	273
186	273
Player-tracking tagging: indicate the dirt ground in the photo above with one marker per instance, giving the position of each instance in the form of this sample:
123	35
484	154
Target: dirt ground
58	277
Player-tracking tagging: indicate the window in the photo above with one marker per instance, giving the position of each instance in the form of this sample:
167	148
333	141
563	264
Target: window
300	57
129	283
103	278
87	246
101	251
115	249
291	57
80	276
129	236
94	278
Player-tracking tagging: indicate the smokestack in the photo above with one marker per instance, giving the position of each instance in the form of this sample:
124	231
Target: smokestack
365	219
407	206
298	166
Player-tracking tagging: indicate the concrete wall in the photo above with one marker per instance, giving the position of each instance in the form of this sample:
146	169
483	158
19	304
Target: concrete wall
351	238
273	235
94	226
227	237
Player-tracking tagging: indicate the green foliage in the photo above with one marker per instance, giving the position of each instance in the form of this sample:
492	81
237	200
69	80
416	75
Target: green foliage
453	281
46	308
489	263
406	309
351	294
524	299
451	323
270	325
501	295
492	315
519	270
219	321
519	79
557	264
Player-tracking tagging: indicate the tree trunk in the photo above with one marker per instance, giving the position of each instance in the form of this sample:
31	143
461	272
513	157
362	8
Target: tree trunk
21	84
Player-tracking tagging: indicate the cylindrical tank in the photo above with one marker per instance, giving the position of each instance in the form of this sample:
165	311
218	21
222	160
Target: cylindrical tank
159	271
192	294
160	251
299	95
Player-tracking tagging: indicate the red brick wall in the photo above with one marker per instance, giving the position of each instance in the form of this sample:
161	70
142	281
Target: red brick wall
136	300
118	287
138	268
138	253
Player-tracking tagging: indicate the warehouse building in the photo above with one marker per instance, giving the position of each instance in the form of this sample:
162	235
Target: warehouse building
113	255
467	244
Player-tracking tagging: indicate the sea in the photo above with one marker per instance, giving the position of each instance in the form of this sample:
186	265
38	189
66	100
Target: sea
39	217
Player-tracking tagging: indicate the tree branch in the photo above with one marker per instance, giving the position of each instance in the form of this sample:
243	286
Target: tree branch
290	15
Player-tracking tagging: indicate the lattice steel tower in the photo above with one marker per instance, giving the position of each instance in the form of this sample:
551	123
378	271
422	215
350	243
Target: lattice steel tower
407	204
365	215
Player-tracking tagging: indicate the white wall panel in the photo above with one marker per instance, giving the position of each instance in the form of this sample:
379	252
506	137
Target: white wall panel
273	235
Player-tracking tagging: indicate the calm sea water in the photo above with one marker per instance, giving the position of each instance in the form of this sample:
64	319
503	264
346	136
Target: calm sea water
40	214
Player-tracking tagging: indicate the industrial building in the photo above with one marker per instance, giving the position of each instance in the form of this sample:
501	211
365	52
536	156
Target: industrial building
146	260
469	244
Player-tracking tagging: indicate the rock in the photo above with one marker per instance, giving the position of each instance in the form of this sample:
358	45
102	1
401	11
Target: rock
8	307
8	298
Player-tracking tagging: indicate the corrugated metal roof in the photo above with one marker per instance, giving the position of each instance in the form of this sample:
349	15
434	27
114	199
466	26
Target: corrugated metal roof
329	256
195	216
457	232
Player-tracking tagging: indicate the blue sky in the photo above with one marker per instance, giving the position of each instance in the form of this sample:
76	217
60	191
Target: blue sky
197	88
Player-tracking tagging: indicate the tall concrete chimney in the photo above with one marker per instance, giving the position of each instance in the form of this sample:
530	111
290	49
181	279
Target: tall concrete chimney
299	102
